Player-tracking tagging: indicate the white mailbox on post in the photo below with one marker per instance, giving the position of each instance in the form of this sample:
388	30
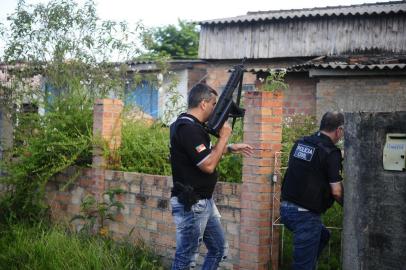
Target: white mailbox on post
394	152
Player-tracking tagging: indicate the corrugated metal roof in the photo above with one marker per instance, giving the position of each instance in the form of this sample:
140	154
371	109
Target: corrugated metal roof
336	66
364	9
149	65
343	66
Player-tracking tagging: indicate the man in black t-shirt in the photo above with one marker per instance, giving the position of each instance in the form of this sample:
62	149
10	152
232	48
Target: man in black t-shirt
312	182
194	162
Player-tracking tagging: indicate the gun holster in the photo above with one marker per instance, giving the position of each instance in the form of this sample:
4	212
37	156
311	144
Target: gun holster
186	195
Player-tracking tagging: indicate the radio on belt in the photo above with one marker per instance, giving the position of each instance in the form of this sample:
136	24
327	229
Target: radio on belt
394	152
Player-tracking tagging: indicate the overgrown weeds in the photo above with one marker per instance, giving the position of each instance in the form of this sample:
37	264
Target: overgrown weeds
40	247
45	145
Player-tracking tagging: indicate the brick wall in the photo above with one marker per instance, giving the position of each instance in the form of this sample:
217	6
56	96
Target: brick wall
147	209
196	74
367	94
65	199
262	130
245	208
299	98
218	74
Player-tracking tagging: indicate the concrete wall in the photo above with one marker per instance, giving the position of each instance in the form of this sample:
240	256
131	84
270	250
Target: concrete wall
367	94
375	199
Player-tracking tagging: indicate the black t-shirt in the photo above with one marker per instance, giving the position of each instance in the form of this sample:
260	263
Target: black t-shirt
190	147
314	163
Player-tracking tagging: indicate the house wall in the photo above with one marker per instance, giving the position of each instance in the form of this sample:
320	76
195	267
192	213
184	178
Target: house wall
187	78
218	76
196	74
366	94
299	37
298	98
164	98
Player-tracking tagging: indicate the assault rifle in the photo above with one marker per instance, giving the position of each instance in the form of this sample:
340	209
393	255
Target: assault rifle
226	107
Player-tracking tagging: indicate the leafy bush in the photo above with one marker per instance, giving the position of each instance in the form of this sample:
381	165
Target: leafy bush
45	145
94	214
230	166
145	148
65	48
41	247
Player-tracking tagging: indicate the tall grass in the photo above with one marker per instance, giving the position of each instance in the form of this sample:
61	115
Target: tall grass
39	247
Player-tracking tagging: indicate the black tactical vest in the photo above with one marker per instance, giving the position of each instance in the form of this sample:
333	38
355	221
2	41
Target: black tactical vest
306	180
184	171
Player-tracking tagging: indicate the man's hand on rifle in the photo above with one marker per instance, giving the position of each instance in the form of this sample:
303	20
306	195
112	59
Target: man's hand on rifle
225	131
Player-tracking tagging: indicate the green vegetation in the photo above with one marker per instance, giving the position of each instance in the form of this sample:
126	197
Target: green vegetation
145	148
40	247
45	145
94	214
230	166
275	81
61	57
177	42
69	46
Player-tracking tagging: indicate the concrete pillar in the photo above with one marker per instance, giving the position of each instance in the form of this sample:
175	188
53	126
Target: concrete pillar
374	235
263	130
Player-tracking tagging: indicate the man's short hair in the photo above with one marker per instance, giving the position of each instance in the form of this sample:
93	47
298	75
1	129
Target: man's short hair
331	121
198	93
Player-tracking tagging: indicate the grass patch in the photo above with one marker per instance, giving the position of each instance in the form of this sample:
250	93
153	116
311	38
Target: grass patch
41	247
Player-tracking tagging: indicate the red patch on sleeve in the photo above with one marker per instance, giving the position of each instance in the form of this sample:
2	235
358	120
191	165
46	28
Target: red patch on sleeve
200	148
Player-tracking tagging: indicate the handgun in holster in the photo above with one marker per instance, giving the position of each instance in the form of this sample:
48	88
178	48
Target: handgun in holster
186	195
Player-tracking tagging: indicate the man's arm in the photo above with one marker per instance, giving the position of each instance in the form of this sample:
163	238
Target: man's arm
209	164
240	148
337	190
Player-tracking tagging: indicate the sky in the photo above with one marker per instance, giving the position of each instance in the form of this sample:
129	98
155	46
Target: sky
163	12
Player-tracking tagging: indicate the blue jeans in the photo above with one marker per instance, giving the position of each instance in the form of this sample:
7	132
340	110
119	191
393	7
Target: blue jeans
309	235
201	224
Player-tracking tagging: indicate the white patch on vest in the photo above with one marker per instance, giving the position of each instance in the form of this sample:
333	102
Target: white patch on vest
304	152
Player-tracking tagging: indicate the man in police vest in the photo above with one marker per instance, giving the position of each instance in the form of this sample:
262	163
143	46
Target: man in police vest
312	182
194	161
